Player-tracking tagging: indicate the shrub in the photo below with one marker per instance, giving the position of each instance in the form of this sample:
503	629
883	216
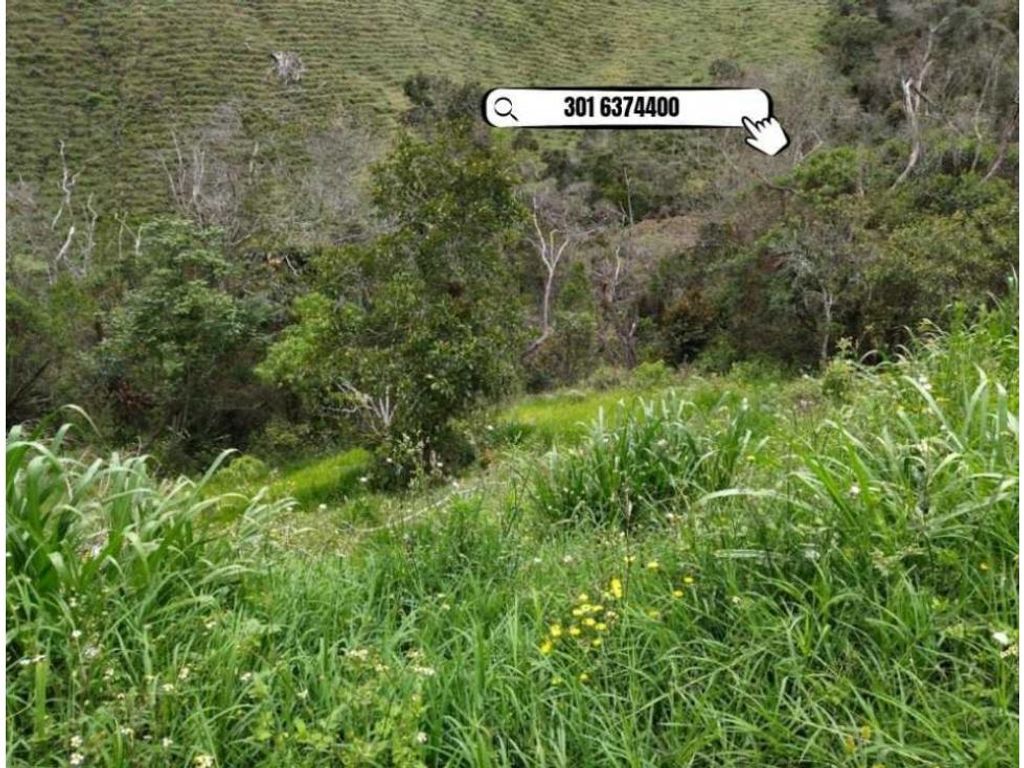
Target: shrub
652	375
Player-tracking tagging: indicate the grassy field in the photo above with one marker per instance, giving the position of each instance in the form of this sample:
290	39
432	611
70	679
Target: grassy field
113	79
735	572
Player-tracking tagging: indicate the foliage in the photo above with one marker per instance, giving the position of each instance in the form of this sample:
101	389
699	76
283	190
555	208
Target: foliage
179	331
648	466
410	331
865	550
358	58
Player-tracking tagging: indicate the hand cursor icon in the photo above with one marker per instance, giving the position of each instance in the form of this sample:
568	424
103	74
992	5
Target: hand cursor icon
766	135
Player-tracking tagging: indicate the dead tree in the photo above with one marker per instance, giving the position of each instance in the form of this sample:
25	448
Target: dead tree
288	67
211	173
377	412
912	88
75	252
557	228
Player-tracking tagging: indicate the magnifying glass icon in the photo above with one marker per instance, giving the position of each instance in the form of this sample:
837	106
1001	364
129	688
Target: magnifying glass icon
503	108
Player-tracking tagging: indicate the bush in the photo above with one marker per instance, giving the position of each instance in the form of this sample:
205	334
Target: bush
652	375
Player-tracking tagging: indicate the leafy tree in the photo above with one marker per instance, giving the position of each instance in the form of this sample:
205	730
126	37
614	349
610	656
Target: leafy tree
174	360
405	333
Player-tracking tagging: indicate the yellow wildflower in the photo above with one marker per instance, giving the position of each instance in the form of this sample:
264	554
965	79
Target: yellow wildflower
677	593
583	597
616	588
556	630
578	611
556	680
652	614
546	647
596	642
601	626
589	621
688	579
584	677
574	630
653	565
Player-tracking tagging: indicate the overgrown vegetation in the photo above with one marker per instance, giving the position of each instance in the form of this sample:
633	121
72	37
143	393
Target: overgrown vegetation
322	286
415	443
728	576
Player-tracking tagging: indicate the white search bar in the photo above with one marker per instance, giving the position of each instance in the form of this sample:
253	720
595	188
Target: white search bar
625	107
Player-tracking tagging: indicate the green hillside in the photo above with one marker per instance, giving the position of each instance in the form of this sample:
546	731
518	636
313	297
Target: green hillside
113	78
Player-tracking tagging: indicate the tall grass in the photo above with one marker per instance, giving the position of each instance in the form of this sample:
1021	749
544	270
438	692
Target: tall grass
104	563
651	464
832	586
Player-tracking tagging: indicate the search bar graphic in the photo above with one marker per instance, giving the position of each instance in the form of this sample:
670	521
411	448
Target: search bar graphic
749	108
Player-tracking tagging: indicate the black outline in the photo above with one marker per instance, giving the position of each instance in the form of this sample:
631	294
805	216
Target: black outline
613	88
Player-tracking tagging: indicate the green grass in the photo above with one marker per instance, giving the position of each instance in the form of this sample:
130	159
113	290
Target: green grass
560	417
113	79
813	581
312	483
325	480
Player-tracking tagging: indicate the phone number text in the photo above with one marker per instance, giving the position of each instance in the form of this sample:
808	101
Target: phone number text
622	106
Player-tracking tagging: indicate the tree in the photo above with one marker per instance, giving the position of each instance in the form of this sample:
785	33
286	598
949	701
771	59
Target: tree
407	332
560	221
178	347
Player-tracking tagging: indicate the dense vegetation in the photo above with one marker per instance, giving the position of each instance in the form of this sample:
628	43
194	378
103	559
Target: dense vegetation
401	441
736	571
373	289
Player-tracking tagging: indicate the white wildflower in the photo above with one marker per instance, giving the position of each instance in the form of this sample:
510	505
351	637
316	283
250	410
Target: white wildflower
421	737
1002	638
76	759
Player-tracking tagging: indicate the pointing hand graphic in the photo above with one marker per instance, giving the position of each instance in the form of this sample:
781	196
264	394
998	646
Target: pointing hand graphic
766	135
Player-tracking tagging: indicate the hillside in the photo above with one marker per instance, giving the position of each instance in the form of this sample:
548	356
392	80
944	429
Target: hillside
742	571
114	79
